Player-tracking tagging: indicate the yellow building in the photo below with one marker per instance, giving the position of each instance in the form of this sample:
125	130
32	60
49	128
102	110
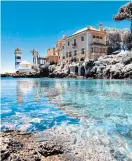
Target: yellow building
59	45
85	44
52	56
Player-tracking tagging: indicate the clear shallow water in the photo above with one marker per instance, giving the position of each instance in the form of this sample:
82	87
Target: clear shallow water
38	104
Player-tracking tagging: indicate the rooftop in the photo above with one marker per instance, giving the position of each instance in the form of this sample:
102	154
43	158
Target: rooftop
86	28
91	28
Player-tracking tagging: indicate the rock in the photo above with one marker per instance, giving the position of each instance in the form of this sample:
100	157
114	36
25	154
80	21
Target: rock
127	68
44	70
52	68
81	69
49	149
5	154
116	71
20	146
127	71
73	69
88	65
127	58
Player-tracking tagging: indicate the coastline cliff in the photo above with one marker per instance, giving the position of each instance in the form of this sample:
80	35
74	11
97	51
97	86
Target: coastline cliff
106	67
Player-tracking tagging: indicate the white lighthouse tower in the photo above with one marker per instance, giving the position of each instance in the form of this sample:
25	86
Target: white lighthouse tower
17	58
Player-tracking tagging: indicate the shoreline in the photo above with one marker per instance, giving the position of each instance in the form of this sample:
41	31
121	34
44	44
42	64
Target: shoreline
106	67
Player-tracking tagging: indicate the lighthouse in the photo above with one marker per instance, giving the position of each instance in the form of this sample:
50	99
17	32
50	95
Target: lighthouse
17	58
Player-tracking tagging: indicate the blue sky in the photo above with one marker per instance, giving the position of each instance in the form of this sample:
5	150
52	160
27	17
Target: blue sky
39	25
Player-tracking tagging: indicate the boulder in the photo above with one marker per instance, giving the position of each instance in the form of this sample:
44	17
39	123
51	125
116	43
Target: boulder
127	71
49	149
127	58
51	68
44	70
73	69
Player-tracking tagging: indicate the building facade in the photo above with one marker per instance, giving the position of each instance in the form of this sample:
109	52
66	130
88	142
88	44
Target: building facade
85	44
37	60
59	46
52	56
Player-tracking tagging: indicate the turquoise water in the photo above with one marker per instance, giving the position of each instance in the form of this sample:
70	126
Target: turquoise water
37	104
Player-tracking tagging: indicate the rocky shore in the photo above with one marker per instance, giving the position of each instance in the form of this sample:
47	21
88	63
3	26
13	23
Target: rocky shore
106	67
61	144
21	146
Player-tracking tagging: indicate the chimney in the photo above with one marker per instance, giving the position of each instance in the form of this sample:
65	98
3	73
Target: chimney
64	36
100	27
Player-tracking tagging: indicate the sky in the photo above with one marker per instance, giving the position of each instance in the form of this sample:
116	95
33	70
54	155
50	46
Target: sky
38	25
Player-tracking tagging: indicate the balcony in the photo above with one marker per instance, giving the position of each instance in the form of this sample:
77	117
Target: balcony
74	45
98	43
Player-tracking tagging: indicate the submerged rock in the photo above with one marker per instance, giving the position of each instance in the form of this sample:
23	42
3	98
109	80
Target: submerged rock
44	70
47	149
20	146
61	143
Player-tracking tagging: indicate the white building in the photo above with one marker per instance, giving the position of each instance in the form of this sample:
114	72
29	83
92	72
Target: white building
85	44
24	66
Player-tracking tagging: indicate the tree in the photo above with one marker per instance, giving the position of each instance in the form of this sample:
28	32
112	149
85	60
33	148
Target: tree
125	13
113	39
118	39
127	40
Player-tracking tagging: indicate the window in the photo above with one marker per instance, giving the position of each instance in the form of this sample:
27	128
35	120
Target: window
82	50
67	54
82	59
70	54
100	37
18	57
68	43
97	37
93	36
75	53
74	42
82	38
63	57
62	47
